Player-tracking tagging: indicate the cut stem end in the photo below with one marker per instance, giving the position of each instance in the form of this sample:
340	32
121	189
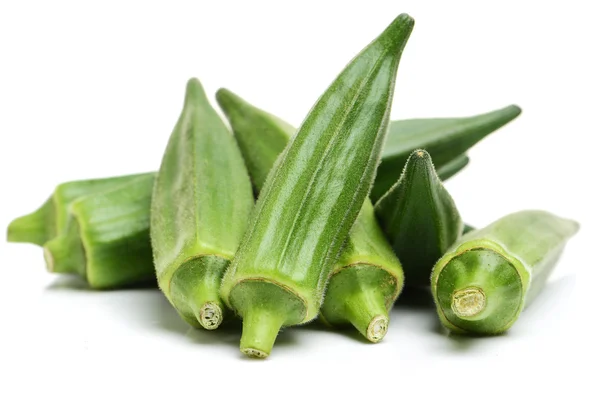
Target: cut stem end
210	316
254	353
377	328
261	327
468	302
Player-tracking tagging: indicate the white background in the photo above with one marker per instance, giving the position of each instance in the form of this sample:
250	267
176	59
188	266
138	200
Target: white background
94	90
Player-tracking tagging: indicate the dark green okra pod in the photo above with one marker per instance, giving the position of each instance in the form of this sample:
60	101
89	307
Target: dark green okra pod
50	219
200	207
445	139
419	218
312	197
483	282
106	239
368	277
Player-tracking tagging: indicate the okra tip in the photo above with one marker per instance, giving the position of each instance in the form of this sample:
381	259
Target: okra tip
399	30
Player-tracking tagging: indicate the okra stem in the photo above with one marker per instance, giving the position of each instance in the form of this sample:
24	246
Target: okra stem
64	255
194	290
37	227
365	309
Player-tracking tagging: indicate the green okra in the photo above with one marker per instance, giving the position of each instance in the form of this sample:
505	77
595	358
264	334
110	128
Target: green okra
50	219
451	168
201	203
312	197
419	218
367	278
483	282
444	138
106	237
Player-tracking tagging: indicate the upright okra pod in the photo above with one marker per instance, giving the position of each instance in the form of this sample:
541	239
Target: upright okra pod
200	208
106	239
419	218
50	219
367	278
445	139
481	285
312	197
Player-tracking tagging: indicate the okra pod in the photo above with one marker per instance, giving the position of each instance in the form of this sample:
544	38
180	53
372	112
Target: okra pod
50	219
106	238
201	203
312	197
444	138
451	168
368	277
419	218
483	282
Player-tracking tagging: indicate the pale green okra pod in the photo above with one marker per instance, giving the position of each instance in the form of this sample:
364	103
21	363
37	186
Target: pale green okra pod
200	207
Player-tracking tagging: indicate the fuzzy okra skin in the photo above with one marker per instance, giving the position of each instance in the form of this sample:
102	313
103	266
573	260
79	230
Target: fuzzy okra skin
483	282
312	197
445	139
367	278
51	218
106	238
201	203
419	218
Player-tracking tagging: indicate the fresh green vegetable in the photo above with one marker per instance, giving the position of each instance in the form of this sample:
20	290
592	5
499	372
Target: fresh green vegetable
106	239
419	218
365	281
368	277
312	197
451	168
481	285
50	219
445	139
200	207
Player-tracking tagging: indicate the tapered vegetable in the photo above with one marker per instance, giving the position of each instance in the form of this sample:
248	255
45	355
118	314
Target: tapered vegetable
200	207
451	168
106	239
50	219
368	277
419	218
312	196
445	139
481	285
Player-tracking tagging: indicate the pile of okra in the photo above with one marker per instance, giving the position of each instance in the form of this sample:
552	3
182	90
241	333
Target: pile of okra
253	218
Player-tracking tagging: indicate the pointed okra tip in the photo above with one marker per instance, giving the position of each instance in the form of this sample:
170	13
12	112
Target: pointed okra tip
194	91
420	159
229	101
398	32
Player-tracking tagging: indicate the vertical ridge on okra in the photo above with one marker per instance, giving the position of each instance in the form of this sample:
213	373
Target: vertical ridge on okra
419	218
367	278
489	275
200	206
444	138
311	199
